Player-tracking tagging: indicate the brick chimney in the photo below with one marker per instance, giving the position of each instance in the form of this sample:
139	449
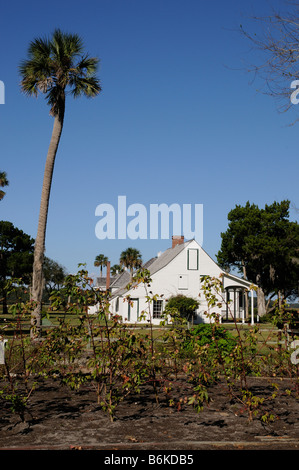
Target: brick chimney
177	240
108	276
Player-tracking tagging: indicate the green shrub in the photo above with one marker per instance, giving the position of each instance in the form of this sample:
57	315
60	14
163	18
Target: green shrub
215	336
185	306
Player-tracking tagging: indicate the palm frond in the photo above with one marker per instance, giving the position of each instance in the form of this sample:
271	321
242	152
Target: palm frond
3	179
89	86
39	47
36	71
65	47
57	66
87	65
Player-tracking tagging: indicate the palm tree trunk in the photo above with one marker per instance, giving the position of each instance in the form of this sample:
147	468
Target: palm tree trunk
39	248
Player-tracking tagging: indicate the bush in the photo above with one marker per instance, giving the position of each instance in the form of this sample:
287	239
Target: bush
213	335
185	306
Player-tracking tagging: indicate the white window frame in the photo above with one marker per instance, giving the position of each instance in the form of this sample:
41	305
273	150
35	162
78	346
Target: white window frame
157	313
193	264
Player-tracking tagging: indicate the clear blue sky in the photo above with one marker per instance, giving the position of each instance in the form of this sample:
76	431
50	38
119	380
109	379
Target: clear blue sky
178	121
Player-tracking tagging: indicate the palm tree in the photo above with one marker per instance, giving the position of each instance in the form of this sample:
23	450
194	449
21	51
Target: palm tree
116	269
101	261
3	182
55	66
131	259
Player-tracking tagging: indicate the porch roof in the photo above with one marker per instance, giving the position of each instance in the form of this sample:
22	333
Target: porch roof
230	280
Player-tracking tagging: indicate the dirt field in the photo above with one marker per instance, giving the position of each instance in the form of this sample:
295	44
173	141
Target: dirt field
61	419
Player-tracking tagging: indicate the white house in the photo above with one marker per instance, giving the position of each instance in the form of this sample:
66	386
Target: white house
177	271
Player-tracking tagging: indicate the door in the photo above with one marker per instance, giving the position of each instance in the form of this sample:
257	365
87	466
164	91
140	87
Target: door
133	310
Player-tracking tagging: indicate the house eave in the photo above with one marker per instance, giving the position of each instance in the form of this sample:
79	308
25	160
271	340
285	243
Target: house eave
239	280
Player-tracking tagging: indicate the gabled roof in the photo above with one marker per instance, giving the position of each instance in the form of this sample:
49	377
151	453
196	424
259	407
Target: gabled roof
101	282
155	264
115	281
165	258
121	279
238	279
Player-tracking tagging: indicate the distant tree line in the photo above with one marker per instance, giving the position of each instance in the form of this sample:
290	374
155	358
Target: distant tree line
16	261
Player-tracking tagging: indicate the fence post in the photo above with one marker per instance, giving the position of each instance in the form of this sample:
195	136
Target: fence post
2	351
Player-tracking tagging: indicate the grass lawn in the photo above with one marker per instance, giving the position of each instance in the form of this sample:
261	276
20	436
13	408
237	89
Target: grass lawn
267	333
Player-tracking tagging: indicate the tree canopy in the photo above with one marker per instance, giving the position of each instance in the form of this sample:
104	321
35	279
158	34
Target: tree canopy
54	274
131	258
16	256
3	182
116	269
264	245
101	261
56	66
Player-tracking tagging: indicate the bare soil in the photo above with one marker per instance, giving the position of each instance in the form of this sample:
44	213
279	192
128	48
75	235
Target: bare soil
59	418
